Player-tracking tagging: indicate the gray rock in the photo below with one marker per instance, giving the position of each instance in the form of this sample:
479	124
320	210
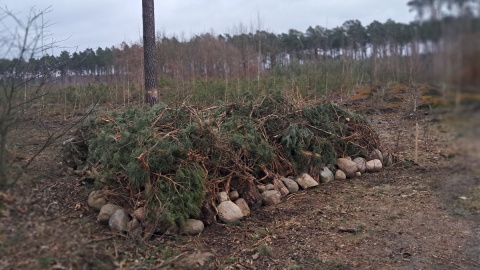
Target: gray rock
340	175
376	154
347	166
96	200
291	185
269	187
233	195
306	181
134	228
192	227
106	212
229	212
361	164
359	174
271	197
222	196
374	165
326	175
387	159
119	220
261	188
243	205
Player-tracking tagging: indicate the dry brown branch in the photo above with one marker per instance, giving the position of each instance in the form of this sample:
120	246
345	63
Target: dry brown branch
322	130
141	159
310	154
160	116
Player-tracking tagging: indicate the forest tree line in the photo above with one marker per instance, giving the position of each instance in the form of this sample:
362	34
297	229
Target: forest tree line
378	52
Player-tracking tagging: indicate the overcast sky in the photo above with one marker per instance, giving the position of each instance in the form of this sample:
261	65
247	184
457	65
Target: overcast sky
81	24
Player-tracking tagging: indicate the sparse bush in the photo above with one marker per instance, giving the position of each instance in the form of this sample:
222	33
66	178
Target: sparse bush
20	87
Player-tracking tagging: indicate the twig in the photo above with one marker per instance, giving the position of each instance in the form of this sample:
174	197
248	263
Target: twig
115	248
6	198
53	138
416	142
99	240
62	215
347	230
260	241
160	116
322	130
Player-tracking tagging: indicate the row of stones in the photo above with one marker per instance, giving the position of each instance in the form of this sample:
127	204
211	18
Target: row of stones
119	220
230	207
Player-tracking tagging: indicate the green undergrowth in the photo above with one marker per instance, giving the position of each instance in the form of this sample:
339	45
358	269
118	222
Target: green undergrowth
174	159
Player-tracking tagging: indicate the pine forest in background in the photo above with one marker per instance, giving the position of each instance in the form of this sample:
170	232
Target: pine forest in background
439	48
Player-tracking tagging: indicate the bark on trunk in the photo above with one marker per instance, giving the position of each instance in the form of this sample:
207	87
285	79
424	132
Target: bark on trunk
149	55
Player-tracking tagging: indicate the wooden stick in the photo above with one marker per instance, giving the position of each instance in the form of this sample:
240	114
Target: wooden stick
416	142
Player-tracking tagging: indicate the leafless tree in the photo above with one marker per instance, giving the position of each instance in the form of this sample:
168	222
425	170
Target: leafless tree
21	86
20	41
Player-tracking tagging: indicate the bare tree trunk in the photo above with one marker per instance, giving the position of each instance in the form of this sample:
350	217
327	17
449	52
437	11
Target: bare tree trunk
3	157
149	52
373	71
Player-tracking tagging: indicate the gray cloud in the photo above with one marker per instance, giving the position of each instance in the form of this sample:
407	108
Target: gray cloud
105	23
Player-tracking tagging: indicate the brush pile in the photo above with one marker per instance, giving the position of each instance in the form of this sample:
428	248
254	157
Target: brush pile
173	161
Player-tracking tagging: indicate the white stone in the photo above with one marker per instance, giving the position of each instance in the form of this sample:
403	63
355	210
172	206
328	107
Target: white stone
106	212
376	154
361	164
192	227
340	175
271	197
119	220
229	212
222	196
243	205
347	166
374	165
291	185
261	188
306	181
96	200
326	175
233	195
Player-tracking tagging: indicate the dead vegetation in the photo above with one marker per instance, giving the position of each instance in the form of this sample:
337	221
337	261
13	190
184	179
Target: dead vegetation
391	219
185	156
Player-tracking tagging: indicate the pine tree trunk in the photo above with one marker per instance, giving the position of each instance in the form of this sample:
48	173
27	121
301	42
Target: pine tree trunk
149	55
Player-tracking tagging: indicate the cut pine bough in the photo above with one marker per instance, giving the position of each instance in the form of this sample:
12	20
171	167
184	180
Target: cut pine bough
174	161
